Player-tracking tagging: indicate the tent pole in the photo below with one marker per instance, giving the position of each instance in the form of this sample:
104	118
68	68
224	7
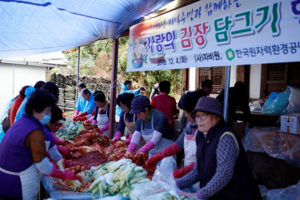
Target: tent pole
226	93
113	85
78	65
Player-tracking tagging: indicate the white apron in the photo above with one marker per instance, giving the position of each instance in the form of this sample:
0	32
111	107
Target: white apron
30	182
130	129
147	134
102	120
190	147
129	125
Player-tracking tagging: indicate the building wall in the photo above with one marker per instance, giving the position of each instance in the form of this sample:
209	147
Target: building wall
233	75
255	77
6	78
192	79
24	75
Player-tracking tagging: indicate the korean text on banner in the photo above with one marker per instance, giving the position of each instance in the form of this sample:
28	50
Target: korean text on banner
217	33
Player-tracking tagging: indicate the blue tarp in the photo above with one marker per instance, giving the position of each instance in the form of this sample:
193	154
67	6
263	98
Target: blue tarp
39	26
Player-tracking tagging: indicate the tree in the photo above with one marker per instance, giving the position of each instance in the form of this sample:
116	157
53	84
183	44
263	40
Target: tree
101	50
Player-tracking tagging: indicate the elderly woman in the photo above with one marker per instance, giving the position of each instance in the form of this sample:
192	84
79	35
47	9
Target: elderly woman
221	164
23	151
152	125
187	139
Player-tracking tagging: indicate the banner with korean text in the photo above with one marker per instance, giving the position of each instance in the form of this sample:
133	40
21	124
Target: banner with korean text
217	33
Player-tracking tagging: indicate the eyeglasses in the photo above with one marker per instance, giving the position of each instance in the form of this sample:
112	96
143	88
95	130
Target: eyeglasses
200	117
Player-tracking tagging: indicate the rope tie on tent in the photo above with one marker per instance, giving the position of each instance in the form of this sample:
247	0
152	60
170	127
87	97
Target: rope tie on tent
113	85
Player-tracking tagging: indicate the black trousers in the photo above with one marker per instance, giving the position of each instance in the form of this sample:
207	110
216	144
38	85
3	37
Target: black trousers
9	198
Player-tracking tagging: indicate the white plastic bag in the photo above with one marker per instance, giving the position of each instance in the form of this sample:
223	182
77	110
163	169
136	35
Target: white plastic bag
162	186
255	106
294	101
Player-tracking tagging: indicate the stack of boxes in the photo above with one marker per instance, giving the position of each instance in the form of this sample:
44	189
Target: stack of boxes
69	96
61	99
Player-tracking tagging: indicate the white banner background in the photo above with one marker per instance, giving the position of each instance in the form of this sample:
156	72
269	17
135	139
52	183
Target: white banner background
248	32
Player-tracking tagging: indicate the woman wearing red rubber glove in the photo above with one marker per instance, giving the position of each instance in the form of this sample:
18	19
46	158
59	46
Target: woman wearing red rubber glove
127	120
186	140
23	151
55	151
152	125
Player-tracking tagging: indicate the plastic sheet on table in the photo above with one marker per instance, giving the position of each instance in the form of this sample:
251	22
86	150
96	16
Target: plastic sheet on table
272	141
69	195
162	186
290	193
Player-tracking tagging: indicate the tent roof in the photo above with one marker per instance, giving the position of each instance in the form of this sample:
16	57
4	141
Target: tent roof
39	26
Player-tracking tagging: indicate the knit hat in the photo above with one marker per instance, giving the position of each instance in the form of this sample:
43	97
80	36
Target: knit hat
209	105
139	103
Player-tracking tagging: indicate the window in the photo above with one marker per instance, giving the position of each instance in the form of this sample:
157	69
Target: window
275	77
215	74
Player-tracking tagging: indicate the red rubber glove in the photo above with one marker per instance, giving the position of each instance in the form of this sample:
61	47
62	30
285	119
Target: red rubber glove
114	141
127	141
75	119
83	114
171	150
66	175
104	128
82	118
183	171
56	139
117	137
64	151
69	164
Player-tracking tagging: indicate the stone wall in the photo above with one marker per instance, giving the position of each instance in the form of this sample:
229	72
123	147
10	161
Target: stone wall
67	88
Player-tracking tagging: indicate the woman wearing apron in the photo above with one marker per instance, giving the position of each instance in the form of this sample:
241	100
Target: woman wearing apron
152	125
55	152
186	141
127	121
23	151
101	117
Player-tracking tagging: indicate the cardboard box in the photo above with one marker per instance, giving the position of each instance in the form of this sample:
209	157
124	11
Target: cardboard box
290	123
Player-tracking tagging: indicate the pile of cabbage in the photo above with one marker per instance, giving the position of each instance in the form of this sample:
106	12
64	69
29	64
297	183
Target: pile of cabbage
69	129
114	178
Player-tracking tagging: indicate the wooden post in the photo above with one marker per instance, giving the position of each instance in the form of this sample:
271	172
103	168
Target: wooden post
197	79
240	73
77	78
184	81
263	80
113	86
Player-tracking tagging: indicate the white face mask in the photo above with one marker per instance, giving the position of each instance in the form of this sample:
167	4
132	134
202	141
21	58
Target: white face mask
45	120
